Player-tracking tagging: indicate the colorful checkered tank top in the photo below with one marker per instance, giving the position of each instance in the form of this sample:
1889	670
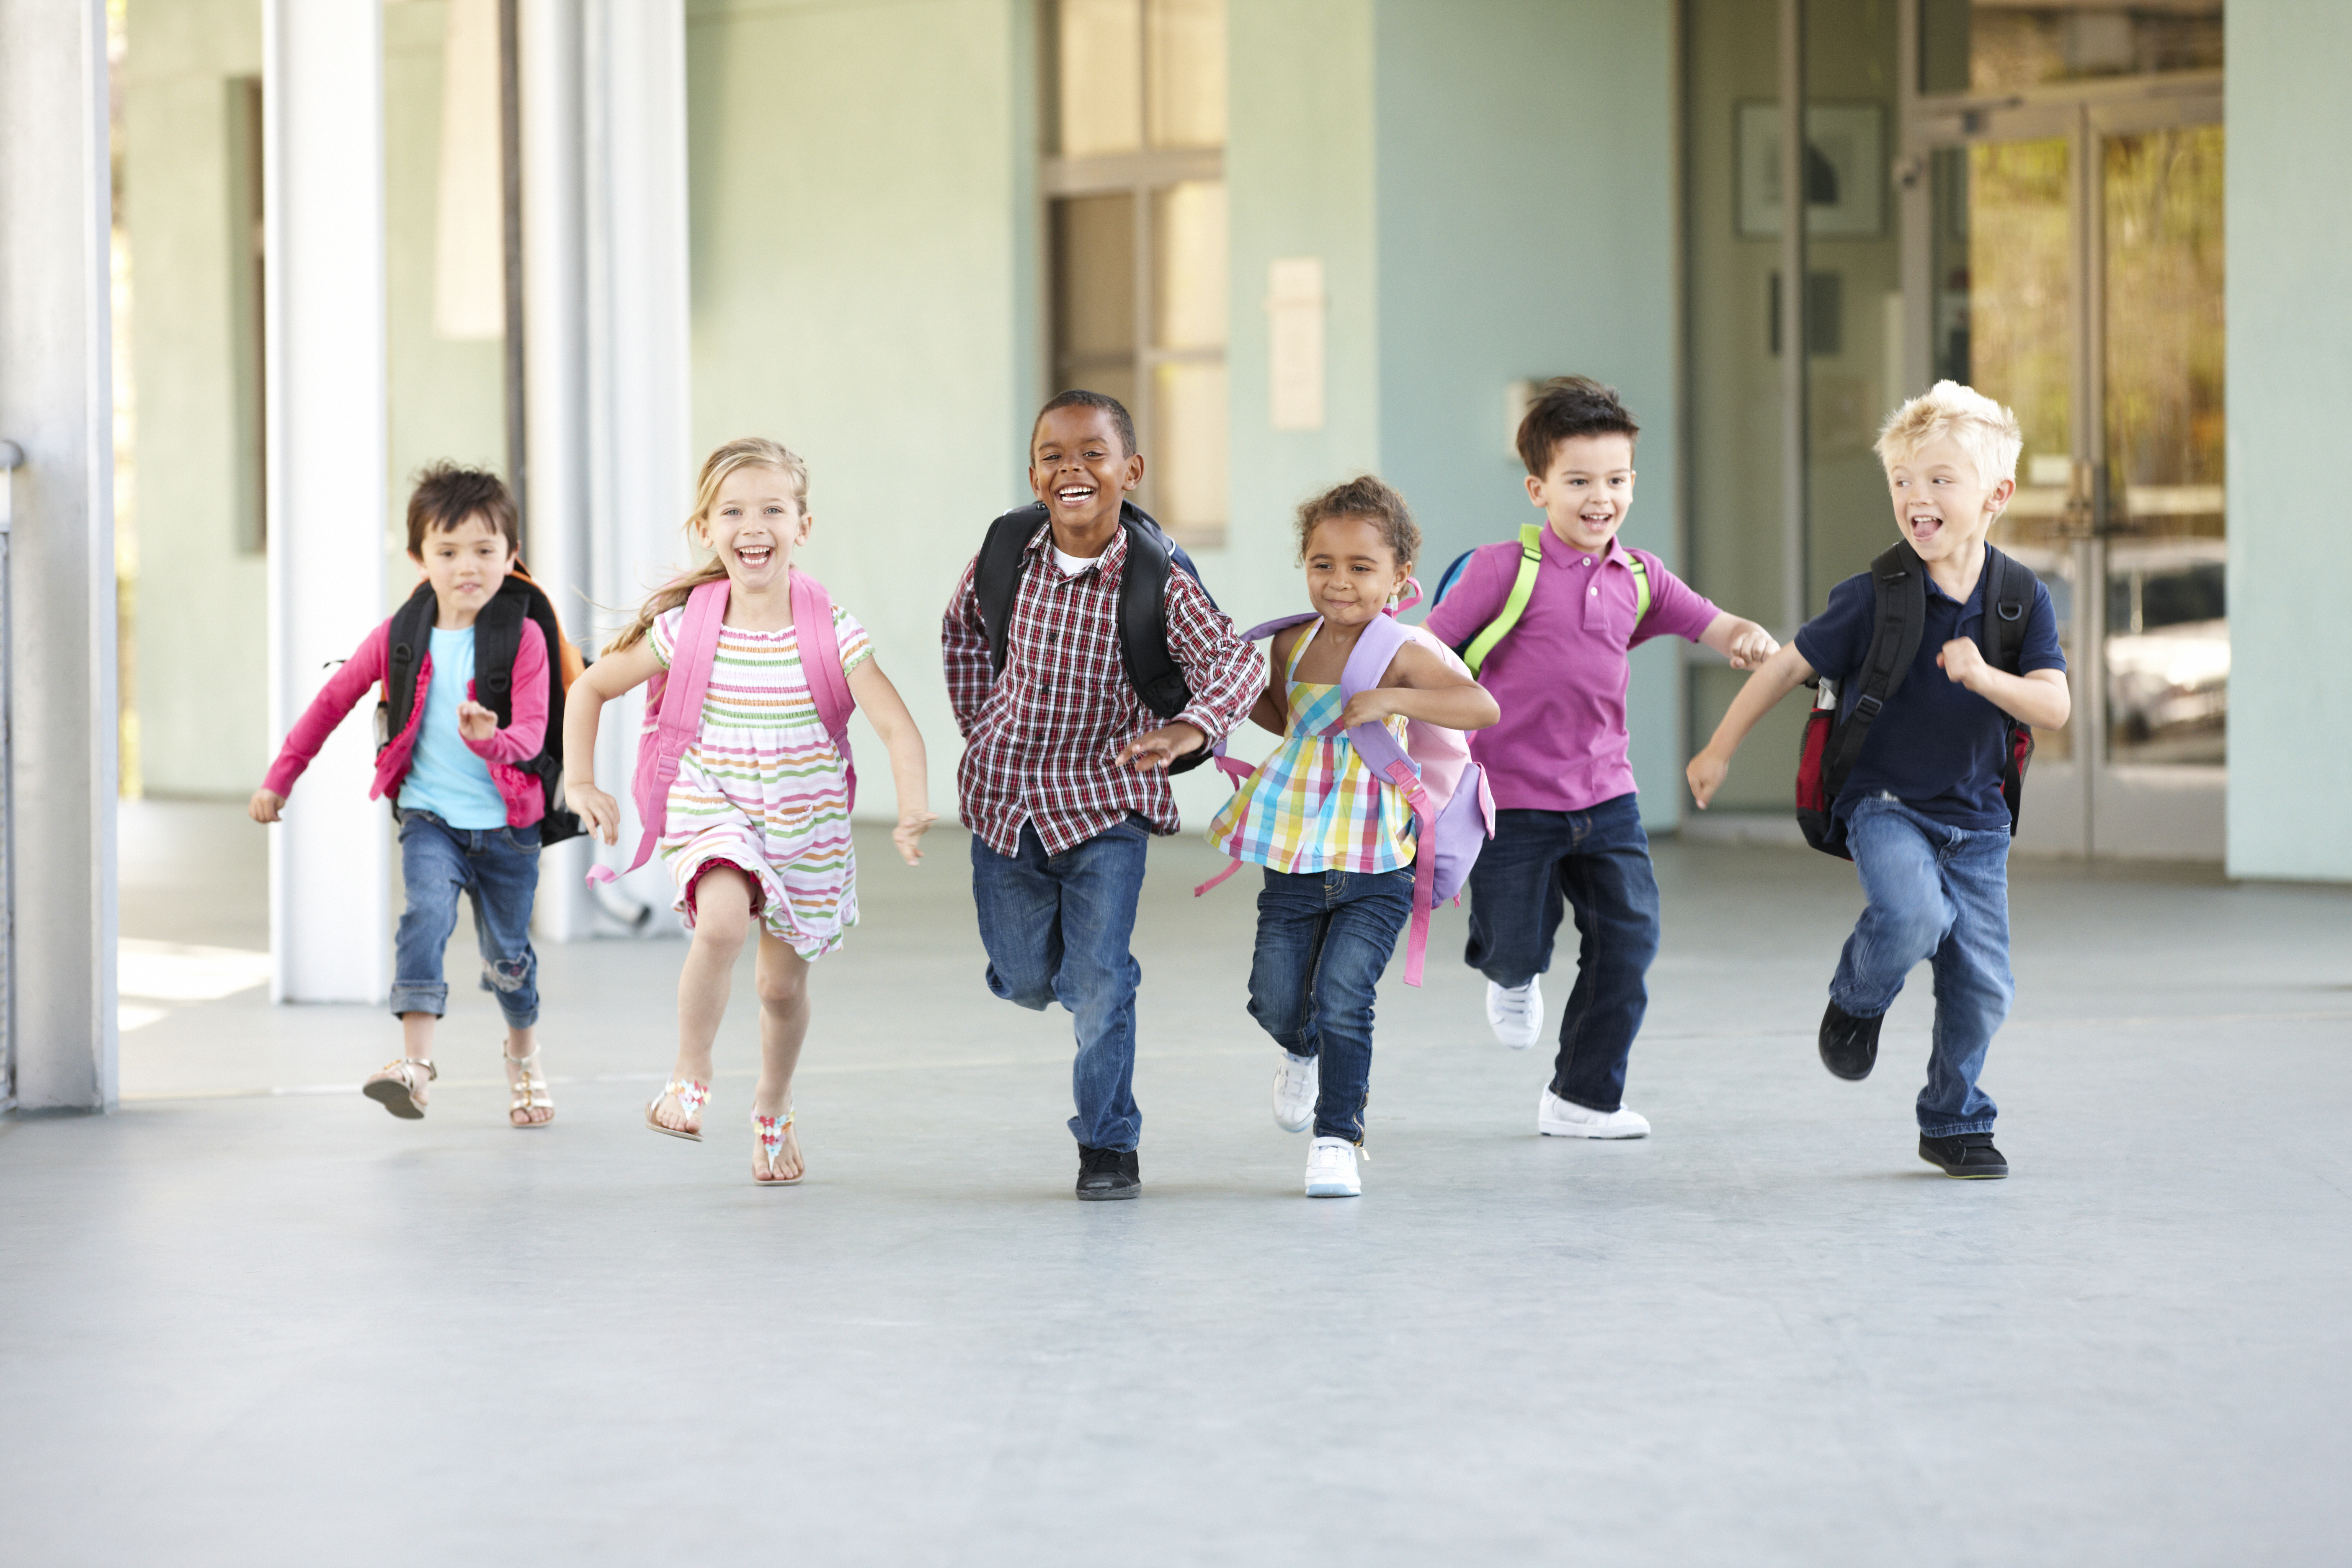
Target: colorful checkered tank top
1313	805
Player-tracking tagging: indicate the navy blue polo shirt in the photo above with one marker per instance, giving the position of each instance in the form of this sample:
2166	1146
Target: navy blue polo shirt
1936	746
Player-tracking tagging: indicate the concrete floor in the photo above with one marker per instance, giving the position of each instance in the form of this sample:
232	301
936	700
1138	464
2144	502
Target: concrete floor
248	1327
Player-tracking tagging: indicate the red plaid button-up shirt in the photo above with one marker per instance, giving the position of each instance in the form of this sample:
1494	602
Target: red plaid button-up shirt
1042	739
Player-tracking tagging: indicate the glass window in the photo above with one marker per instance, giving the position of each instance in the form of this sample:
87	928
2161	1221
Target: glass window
1138	236
1990	45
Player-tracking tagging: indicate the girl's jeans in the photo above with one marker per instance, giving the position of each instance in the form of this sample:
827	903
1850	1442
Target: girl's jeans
498	869
1323	939
1940	893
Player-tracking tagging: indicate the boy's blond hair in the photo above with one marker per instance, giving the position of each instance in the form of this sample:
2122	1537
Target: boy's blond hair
1985	430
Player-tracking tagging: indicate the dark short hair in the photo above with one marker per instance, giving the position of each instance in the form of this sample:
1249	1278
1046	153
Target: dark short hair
1122	421
1568	407
447	495
1376	503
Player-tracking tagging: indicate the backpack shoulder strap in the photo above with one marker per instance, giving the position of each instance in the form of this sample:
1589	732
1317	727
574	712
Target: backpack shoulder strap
1376	648
1523	587
996	575
1900	581
405	642
1143	618
2008	585
1641	587
676	707
819	649
498	639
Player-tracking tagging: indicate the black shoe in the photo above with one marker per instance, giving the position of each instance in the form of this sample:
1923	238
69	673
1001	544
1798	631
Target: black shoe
1849	1045
1107	1173
1970	1156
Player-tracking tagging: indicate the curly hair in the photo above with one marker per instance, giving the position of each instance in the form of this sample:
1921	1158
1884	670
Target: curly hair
1366	497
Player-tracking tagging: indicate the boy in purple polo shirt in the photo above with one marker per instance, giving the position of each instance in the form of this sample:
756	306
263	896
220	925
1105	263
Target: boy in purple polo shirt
1567	827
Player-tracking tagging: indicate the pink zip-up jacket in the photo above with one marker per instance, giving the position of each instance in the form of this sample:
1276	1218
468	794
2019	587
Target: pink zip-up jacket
518	743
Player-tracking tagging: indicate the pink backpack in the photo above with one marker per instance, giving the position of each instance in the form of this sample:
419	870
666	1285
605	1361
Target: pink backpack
1451	803
675	715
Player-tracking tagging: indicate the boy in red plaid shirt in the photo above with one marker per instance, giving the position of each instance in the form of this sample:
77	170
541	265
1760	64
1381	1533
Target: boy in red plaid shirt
1064	777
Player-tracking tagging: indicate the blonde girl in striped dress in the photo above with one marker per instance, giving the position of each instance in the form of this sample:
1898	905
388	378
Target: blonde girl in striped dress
757	822
1335	843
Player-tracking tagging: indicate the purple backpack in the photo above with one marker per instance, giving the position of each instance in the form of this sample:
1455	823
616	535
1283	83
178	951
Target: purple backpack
674	699
1448	791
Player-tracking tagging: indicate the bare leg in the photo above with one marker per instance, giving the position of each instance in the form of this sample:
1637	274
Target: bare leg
416	1044
783	980
722	920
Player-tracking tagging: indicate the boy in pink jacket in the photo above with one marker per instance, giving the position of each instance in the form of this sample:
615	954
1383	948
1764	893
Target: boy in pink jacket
463	790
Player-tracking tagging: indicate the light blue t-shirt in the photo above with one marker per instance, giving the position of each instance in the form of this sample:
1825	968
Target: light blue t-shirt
445	776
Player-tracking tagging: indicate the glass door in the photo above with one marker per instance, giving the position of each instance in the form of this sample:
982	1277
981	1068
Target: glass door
2064	256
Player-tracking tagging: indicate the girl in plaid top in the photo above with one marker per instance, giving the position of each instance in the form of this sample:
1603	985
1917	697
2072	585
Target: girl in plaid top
1335	843
757	822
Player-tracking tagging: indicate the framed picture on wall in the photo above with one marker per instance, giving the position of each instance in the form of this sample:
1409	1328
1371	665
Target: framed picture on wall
1845	169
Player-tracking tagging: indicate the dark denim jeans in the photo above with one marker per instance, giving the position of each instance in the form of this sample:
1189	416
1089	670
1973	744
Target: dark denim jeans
1598	862
1323	939
498	869
1056	929
1940	893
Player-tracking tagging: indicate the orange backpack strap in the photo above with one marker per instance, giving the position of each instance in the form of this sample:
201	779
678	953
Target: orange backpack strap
569	662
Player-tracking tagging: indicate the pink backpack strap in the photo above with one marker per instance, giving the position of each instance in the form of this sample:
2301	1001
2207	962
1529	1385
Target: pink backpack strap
820	651
675	702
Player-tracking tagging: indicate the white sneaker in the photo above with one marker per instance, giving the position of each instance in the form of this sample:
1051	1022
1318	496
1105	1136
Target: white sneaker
1516	1012
1296	1084
1558	1118
1331	1169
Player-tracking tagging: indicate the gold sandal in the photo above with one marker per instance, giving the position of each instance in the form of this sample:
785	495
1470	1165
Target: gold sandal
530	1094
690	1096
394	1088
770	1131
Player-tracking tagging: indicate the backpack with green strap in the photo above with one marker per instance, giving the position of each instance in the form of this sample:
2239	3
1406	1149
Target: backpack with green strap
1474	652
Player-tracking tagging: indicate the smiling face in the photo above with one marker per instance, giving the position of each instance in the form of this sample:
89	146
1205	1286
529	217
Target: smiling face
1080	468
755	524
1588	489
1942	504
1351	569
465	565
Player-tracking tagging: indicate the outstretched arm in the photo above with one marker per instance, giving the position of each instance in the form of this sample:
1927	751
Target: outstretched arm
1425	687
1743	643
584	705
910	769
1782	673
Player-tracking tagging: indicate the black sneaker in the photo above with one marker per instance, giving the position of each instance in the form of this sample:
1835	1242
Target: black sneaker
1970	1156
1107	1173
1849	1045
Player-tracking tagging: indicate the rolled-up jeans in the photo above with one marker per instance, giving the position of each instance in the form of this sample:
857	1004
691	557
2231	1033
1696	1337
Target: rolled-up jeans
1323	939
498	869
1939	893
1056	929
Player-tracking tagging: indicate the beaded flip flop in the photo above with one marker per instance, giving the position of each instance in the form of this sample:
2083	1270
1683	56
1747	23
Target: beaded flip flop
690	1096
530	1092
395	1086
769	1130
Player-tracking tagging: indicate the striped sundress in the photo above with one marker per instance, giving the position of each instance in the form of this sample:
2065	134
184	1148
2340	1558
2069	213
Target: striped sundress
764	787
1313	805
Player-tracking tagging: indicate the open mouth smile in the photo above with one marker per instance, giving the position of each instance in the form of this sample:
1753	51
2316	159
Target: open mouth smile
755	555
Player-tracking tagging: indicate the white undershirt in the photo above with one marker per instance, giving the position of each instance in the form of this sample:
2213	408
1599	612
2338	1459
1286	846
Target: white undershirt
1071	565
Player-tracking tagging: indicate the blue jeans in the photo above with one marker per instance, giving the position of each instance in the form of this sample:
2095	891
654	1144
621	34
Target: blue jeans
1323	939
1598	862
498	869
1056	929
1940	893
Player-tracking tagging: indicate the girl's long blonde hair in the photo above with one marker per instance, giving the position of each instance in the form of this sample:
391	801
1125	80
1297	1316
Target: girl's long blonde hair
746	452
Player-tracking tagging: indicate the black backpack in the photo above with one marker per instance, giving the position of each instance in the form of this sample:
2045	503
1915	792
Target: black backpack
498	637
1143	604
1832	747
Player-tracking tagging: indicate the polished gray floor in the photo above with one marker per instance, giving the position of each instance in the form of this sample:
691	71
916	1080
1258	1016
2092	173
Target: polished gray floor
241	1325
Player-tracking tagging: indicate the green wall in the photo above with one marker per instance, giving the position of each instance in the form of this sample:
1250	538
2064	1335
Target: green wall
2290	342
864	254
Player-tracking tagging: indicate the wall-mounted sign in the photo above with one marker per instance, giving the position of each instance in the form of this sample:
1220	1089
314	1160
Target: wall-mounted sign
1294	305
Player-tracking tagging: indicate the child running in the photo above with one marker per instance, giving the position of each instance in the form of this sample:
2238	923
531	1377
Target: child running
1337	844
755	826
1567	824
1923	810
1070	609
469	811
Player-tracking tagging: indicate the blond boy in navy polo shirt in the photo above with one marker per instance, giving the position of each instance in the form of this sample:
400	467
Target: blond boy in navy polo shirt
1567	828
1923	809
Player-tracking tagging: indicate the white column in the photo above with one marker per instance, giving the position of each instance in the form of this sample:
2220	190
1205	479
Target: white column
640	472
57	403
555	322
322	172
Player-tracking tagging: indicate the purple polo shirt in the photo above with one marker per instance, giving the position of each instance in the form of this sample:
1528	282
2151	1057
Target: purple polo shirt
1560	677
